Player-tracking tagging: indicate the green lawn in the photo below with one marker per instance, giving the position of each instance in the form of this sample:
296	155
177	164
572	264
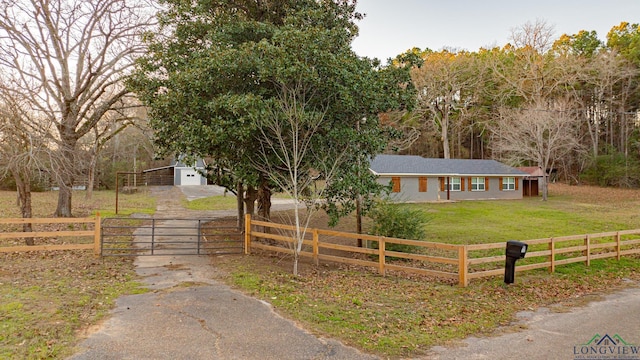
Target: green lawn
474	222
228	202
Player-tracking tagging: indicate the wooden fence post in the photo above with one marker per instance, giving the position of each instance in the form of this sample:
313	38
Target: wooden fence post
381	255
618	248
247	234
97	251
463	253
552	256
316	251
587	243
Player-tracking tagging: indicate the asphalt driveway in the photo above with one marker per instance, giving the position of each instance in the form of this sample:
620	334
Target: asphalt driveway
188	315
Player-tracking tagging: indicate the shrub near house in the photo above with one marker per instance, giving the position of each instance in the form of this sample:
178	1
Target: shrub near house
398	221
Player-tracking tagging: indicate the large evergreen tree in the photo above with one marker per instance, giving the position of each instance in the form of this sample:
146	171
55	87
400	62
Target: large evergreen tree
217	68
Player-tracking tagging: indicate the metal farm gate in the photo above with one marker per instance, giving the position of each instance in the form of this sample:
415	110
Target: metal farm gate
151	236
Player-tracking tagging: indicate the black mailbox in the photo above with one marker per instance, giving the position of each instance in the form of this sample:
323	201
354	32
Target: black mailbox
515	250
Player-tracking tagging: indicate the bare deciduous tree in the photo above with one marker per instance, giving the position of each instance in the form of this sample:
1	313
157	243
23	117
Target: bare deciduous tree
23	150
544	133
539	36
69	58
287	155
530	73
111	125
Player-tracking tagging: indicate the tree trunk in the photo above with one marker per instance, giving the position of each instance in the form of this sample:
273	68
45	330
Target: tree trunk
545	187
544	165
64	199
23	186
359	218
249	200
445	146
240	204
264	200
65	174
92	176
264	204
445	135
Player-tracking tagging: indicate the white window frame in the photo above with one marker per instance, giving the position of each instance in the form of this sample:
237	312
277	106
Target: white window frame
455	181
478	183
509	183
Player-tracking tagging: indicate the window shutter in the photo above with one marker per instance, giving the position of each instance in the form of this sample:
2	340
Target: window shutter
422	184
461	184
396	184
500	183
516	180
442	184
486	184
469	181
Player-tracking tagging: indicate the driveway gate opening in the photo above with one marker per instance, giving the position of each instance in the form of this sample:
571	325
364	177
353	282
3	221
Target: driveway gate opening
153	236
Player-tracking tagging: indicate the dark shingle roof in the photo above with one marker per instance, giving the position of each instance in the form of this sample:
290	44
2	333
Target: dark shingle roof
179	163
417	165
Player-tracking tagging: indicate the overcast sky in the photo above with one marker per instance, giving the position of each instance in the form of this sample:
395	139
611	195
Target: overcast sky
393	26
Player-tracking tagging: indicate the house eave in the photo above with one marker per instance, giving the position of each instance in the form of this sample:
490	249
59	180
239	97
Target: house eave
158	168
173	167
445	175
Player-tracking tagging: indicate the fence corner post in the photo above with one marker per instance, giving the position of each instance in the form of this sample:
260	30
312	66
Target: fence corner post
463	254
97	252
247	234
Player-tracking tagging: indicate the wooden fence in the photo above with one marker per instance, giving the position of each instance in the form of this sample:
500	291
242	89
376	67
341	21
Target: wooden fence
450	261
94	234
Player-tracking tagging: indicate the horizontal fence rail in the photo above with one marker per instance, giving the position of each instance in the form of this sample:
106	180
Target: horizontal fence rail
92	234
450	261
552	252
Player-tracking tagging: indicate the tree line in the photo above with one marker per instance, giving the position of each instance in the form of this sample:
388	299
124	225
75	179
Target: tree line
272	93
568	104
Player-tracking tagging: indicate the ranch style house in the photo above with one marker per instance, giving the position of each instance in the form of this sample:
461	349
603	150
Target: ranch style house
417	179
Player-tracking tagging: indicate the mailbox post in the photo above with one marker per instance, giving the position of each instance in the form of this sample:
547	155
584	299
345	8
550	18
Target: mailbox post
515	250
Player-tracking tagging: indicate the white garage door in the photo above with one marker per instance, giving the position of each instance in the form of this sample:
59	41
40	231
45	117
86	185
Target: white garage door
189	177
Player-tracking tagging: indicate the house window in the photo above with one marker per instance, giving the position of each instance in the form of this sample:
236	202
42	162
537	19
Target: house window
454	183
396	184
422	184
477	184
508	184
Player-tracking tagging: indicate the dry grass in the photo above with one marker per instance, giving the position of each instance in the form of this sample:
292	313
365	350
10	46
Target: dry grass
596	195
44	203
48	300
